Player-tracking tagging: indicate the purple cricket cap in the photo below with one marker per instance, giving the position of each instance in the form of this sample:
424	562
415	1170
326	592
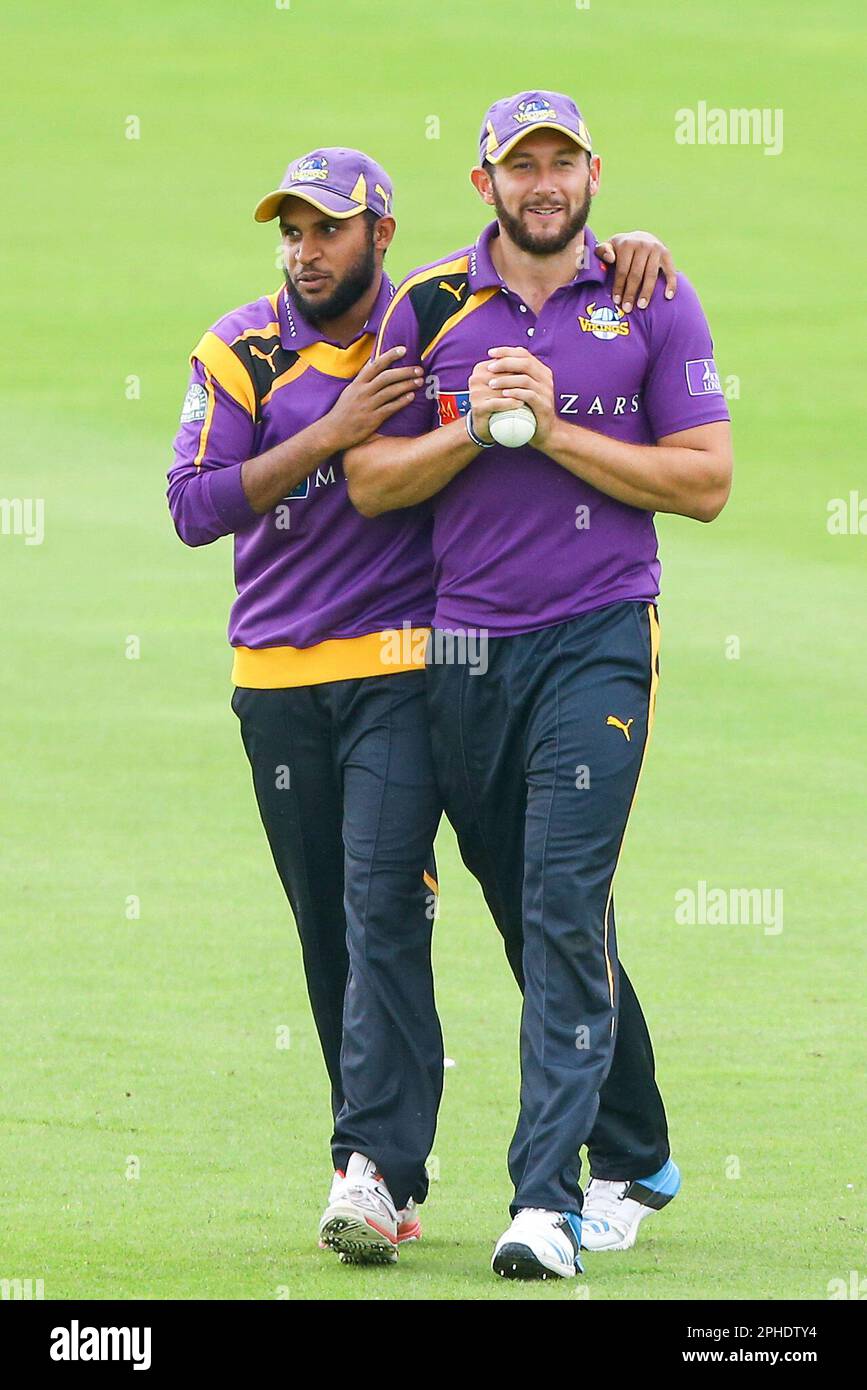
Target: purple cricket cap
338	181
511	118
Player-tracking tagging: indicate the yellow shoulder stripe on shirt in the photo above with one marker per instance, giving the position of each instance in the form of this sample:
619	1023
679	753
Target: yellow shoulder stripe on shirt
228	370
475	301
337	361
271	330
457	266
209	416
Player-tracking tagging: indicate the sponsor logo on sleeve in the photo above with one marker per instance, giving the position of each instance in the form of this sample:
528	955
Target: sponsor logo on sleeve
451	405
195	405
702	377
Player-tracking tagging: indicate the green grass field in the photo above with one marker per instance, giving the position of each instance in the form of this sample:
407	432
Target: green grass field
154	1038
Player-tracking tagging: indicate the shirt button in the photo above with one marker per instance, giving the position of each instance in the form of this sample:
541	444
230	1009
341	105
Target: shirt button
523	308
530	332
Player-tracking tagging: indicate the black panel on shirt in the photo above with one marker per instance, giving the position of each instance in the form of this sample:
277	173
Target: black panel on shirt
265	359
436	300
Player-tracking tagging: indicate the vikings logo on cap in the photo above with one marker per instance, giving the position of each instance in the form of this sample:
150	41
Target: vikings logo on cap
536	109
529	111
338	181
310	168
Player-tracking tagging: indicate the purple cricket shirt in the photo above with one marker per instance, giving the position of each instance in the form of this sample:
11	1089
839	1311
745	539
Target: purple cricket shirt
519	542
312	570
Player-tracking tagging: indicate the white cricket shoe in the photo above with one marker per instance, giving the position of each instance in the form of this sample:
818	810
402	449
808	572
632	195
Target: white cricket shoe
613	1211
539	1243
360	1221
408	1223
336	1181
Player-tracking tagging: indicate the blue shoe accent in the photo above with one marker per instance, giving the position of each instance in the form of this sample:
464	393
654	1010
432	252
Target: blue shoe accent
657	1190
517	1259
667	1180
574	1223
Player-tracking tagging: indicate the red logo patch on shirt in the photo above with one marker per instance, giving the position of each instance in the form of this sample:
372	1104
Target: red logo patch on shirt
452	405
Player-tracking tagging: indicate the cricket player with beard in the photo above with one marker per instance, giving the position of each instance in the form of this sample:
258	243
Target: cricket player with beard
335	730
551	550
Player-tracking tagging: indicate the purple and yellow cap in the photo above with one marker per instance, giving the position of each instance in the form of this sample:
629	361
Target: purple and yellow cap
511	118
340	182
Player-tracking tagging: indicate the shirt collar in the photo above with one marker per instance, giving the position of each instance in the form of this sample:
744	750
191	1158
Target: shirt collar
296	332
482	272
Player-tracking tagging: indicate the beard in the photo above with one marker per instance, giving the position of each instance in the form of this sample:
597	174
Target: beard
530	241
356	282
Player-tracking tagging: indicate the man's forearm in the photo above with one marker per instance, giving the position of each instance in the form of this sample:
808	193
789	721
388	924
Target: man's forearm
266	480
660	477
390	471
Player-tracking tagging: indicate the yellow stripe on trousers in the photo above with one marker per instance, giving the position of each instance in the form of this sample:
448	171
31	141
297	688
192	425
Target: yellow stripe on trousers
653	618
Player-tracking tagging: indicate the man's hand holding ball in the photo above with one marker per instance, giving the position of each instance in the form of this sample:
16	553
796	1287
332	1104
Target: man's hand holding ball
512	399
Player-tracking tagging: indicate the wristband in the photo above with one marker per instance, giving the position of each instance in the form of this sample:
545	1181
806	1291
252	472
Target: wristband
468	421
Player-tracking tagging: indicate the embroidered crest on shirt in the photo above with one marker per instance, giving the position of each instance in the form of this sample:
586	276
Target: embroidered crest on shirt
604	323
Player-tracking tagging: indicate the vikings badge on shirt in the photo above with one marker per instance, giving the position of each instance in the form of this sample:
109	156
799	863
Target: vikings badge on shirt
604	323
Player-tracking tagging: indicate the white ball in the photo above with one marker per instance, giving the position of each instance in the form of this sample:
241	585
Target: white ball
513	428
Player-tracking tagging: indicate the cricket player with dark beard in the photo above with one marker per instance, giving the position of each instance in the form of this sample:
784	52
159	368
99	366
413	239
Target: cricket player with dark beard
335	730
550	549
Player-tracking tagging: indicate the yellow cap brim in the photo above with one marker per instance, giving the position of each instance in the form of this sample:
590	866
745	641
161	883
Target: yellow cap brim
503	150
269	207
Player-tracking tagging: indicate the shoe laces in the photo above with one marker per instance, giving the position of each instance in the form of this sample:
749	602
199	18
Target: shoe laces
368	1193
604	1200
553	1217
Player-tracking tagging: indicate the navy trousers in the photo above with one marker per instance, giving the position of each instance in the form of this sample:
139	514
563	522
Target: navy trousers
538	761
345	785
